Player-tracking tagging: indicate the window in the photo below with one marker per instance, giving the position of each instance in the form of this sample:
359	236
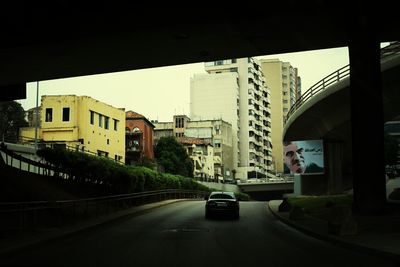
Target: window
108	141
179	123
101	153
106	122
100	120
217	129
49	115
65	114
91	117
115	125
217	143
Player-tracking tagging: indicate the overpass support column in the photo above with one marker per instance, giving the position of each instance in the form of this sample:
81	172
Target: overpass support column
334	159
366	119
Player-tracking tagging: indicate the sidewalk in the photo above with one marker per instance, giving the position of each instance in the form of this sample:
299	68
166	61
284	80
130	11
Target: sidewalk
14	242
379	235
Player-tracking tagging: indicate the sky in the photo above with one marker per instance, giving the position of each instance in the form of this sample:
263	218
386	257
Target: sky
160	93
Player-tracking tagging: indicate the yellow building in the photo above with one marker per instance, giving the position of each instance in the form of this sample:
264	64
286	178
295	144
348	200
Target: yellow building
81	122
285	89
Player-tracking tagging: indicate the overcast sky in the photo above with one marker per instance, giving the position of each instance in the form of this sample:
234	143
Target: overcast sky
159	93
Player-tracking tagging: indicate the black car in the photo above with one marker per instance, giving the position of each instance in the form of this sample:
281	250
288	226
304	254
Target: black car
222	203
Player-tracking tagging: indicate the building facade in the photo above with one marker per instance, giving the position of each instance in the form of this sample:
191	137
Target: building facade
33	117
201	153
285	88
217	133
81	123
234	90
138	138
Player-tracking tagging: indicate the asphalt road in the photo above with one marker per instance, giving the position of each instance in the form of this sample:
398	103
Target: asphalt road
179	235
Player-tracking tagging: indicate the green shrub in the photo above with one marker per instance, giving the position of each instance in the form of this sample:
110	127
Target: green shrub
119	178
315	204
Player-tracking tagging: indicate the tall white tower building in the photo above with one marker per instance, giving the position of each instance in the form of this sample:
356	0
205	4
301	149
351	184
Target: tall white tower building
234	90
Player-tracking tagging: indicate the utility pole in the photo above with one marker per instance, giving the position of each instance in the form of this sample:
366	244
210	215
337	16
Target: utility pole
37	116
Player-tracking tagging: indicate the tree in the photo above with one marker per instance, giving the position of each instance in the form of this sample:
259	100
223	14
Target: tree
12	117
172	156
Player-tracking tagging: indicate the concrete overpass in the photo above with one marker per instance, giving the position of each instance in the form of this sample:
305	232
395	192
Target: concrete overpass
311	117
265	186
74	38
266	189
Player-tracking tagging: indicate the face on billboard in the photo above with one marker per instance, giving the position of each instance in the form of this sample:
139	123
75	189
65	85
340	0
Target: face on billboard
294	158
304	156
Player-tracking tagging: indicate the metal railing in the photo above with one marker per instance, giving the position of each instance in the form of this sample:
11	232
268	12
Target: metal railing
32	214
23	140
391	50
12	159
39	214
285	179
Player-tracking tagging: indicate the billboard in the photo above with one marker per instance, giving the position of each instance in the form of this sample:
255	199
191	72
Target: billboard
305	156
199	132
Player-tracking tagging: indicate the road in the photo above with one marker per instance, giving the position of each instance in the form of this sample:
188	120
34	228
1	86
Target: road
179	235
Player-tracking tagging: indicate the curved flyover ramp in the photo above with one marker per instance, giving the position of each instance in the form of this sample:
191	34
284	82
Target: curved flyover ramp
323	111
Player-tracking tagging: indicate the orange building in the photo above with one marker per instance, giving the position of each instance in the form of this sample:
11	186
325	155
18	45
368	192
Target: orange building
138	137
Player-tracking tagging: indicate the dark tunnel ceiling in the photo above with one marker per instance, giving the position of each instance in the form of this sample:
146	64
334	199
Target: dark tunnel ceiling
68	38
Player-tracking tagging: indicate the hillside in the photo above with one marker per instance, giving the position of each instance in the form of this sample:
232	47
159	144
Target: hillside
19	185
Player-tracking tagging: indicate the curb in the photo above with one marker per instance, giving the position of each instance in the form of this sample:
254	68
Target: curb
90	226
336	240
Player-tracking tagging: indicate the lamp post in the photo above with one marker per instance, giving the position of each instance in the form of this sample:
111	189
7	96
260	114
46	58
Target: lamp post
37	116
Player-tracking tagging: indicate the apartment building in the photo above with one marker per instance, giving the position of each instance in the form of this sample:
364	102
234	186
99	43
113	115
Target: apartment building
285	88
234	90
214	133
81	123
138	137
201	152
33	117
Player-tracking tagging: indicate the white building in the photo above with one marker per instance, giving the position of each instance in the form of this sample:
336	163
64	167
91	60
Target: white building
202	134
234	90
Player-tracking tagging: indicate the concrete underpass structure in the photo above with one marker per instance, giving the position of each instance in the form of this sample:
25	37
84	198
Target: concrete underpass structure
42	42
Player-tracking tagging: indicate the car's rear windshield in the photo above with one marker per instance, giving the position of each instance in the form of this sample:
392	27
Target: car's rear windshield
221	196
